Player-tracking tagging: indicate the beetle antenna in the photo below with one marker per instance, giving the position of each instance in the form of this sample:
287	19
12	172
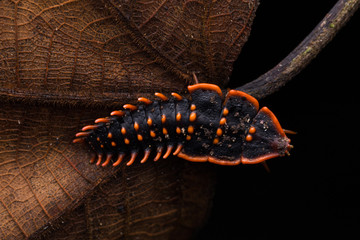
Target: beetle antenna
289	132
266	166
195	78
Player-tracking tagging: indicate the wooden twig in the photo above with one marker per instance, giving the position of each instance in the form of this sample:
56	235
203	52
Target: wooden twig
306	51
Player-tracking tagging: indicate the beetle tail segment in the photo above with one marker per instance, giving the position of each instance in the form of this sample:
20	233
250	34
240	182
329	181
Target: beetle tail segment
265	139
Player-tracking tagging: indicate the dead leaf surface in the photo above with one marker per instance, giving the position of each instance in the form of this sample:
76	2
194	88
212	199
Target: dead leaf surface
60	59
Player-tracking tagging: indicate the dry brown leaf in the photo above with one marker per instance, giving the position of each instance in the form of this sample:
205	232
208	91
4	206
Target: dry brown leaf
59	60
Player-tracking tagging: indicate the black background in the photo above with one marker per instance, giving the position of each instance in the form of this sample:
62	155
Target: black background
314	192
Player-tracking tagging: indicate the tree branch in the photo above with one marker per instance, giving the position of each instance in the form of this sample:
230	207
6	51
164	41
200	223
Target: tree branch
306	51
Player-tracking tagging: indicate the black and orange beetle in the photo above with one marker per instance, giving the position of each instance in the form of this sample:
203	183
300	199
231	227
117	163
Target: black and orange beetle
204	128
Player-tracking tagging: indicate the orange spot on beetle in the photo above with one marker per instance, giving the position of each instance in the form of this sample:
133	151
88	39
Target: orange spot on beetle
139	137
252	130
136	126
164	130
190	129
149	122
222	121
225	112
192	117
219	132
248	138
178	117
